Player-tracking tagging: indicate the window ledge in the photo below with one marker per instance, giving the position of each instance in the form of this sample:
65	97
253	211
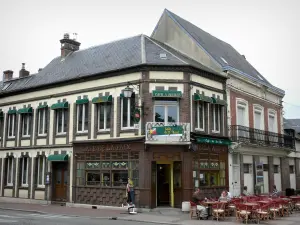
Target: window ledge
103	132
199	129
24	187
11	138
61	135
25	138
81	134
215	132
125	130
40	187
41	137
10	186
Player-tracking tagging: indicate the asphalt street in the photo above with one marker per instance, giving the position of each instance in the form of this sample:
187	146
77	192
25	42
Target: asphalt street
23	218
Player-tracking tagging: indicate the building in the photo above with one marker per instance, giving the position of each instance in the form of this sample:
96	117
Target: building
259	153
76	130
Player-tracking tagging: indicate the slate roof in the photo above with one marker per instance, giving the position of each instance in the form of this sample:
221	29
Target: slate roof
219	49
292	124
113	56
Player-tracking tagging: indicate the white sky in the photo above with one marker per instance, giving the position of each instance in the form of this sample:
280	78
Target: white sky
267	32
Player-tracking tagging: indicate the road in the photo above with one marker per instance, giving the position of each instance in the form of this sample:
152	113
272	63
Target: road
23	218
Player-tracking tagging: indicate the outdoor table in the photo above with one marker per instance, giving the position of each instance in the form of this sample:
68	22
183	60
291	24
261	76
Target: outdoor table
251	204
209	205
264	202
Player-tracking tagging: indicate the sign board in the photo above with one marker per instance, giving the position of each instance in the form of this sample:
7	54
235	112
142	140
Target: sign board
167	131
213	141
259	174
167	94
136	126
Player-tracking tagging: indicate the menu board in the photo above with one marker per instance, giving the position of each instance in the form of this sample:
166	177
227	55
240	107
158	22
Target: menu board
259	174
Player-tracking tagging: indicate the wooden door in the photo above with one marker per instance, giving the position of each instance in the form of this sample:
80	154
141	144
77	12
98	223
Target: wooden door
153	185
60	181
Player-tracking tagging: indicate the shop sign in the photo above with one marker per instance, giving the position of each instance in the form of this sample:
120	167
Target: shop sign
167	94
107	147
209	165
213	141
167	130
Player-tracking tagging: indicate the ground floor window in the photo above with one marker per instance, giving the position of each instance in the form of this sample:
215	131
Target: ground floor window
24	171
107	169
41	164
9	171
209	169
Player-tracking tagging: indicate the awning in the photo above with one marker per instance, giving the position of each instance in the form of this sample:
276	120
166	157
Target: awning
1	114
218	101
61	105
42	106
200	97
12	111
102	99
59	157
82	101
25	110
213	141
166	94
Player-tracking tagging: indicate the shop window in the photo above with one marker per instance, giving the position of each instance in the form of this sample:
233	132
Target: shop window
108	169
104	113
209	170
42	121
41	161
199	115
292	169
247	168
276	168
82	118
11	125
24	171
10	169
25	125
61	121
166	111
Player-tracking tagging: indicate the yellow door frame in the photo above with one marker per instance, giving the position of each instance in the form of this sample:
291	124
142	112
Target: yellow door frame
171	177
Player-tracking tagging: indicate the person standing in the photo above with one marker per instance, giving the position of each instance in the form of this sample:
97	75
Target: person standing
130	192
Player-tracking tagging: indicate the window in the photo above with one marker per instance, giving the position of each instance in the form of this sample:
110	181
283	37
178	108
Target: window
61	121
276	168
166	111
247	168
127	107
292	169
242	118
104	113
24	171
1	127
42	121
216	109
25	118
272	121
107	168
10	169
200	115
41	163
258	118
209	169
82	118
11	125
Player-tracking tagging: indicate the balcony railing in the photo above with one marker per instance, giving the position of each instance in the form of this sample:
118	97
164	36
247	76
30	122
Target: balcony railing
249	135
161	132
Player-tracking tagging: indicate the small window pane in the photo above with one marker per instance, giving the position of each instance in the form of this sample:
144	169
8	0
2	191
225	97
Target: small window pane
172	114
86	115
93	178
159	114
125	112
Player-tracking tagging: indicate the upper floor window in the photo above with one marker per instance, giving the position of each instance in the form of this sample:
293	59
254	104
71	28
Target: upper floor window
242	113
61	120
127	108
258	117
104	113
272	125
216	112
200	115
25	126
11	125
9	171
24	171
166	111
82	117
42	121
1	126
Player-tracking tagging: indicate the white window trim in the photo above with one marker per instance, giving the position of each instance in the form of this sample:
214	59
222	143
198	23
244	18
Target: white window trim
43	172
198	116
10	160
128	114
166	104
22	174
62	118
83	118
27	134
243	104
42	112
260	109
10	116
105	105
214	118
273	113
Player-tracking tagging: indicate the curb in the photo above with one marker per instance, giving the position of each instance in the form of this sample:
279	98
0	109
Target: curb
149	221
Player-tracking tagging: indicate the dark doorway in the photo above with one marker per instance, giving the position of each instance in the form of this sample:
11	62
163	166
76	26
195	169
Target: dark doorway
60	181
163	184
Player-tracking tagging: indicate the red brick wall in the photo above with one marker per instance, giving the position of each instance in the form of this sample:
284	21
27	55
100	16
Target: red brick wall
251	101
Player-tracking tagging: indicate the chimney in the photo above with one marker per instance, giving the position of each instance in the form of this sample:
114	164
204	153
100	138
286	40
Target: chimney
23	72
244	56
40	69
68	45
7	75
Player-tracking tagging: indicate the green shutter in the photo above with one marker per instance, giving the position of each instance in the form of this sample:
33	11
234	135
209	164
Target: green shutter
218	101
12	111
25	110
102	99
166	94
200	97
58	157
82	101
1	114
61	105
42	106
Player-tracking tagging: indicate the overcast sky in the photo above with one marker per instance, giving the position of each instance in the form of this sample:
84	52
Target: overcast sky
265	31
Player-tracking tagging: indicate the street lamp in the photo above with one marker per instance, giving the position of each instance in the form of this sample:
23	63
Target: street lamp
127	92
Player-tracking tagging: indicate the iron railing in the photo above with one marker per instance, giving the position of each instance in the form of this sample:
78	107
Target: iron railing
249	135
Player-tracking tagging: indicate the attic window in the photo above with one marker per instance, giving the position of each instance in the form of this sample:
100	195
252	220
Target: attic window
260	77
6	86
224	60
163	55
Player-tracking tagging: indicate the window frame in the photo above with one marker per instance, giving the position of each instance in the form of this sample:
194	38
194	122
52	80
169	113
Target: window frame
241	103
129	113
273	113
11	126
42	112
64	111
165	104
197	127
22	162
259	109
41	185
105	105
84	118
216	109
25	118
10	165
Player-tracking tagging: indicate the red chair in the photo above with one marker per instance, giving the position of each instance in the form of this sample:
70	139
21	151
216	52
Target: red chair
193	210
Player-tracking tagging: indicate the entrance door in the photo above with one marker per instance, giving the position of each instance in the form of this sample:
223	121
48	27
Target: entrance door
163	184
60	181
